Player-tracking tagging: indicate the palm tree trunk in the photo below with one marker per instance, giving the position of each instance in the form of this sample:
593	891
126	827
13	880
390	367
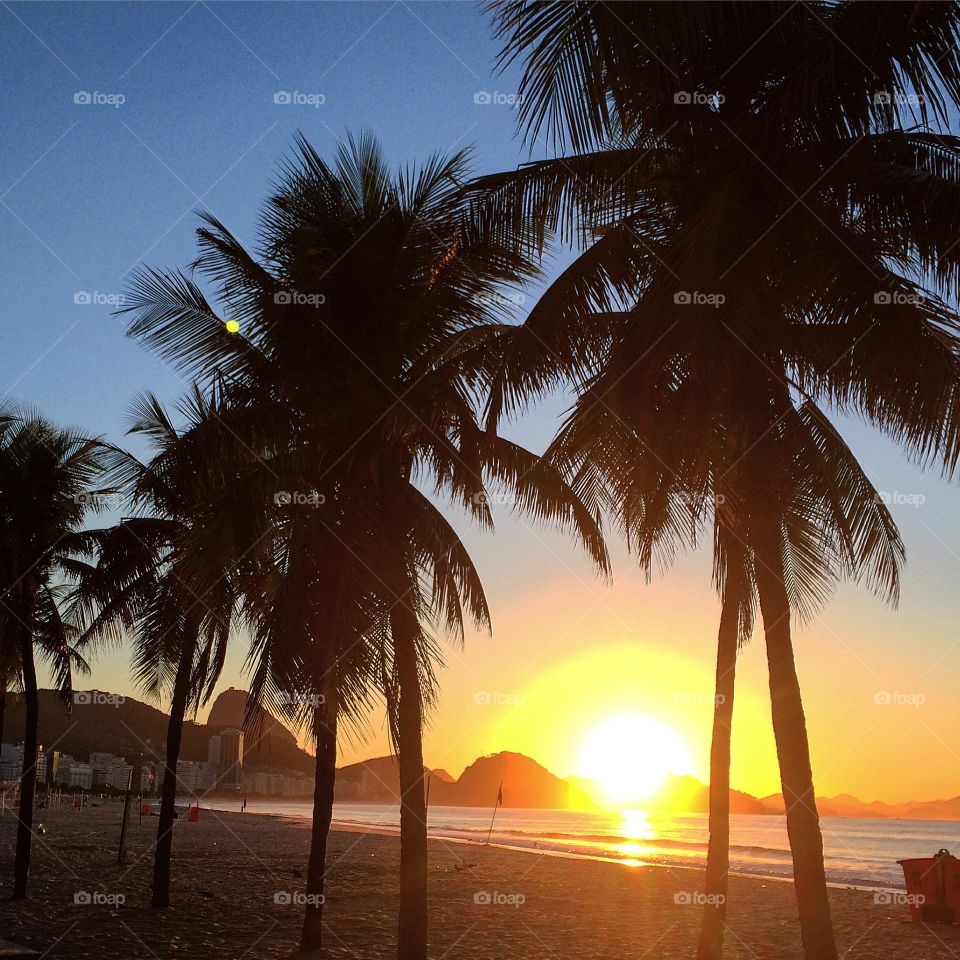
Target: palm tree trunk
325	731
718	849
3	706
28	782
793	753
178	710
412	934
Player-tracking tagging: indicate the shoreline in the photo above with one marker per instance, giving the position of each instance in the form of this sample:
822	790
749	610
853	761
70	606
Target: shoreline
631	862
237	880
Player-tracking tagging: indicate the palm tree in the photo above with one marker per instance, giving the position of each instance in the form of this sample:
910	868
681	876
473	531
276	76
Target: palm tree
672	478
757	219
316	655
166	576
46	479
364	333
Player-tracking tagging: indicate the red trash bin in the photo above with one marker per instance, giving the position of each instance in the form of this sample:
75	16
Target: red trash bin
194	814
933	887
144	809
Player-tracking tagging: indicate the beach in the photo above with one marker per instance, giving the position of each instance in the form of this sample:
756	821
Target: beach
232	873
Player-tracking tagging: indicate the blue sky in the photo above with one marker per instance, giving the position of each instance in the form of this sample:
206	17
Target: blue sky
181	116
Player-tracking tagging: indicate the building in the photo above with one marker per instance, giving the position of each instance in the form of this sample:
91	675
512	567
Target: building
11	762
80	776
229	757
264	784
103	765
192	776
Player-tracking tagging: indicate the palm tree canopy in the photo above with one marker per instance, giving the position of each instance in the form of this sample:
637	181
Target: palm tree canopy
361	349
767	209
49	479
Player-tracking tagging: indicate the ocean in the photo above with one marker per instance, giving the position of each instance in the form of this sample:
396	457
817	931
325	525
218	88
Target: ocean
857	852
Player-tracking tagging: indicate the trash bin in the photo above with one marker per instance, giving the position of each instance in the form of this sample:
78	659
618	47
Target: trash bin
194	814
144	809
933	887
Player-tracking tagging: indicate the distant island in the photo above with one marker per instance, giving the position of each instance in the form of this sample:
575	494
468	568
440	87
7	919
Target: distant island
124	725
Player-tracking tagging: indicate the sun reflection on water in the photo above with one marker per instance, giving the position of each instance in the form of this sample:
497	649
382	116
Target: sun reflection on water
636	828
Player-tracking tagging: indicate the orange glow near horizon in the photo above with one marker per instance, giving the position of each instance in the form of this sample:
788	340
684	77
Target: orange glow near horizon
623	716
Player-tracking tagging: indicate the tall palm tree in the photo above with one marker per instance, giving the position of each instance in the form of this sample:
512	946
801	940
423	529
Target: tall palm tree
674	477
165	578
46	477
317	656
362	341
741	205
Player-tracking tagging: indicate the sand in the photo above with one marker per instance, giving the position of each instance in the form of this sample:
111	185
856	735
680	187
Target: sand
229	868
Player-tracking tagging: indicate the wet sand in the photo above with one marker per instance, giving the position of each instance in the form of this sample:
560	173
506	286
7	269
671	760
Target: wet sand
232	872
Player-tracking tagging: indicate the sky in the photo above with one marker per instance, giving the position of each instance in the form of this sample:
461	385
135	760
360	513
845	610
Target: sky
123	120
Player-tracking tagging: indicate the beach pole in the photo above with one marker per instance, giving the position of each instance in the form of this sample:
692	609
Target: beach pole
494	817
122	852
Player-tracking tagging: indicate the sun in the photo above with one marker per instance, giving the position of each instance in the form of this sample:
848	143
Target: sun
630	755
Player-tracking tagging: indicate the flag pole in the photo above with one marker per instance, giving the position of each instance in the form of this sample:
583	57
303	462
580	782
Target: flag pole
494	817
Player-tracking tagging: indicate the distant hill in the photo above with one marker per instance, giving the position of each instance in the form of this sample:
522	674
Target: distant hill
130	727
689	795
126	726
846	805
525	784
230	710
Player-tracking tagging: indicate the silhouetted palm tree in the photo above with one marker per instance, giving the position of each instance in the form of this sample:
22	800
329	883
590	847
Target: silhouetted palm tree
46	480
166	578
317	653
756	203
362	340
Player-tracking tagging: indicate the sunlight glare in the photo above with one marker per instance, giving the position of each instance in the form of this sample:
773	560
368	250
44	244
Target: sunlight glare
629	757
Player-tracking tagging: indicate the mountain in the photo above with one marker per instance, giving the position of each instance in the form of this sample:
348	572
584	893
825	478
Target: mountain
122	725
846	805
125	726
230	710
689	795
525	784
